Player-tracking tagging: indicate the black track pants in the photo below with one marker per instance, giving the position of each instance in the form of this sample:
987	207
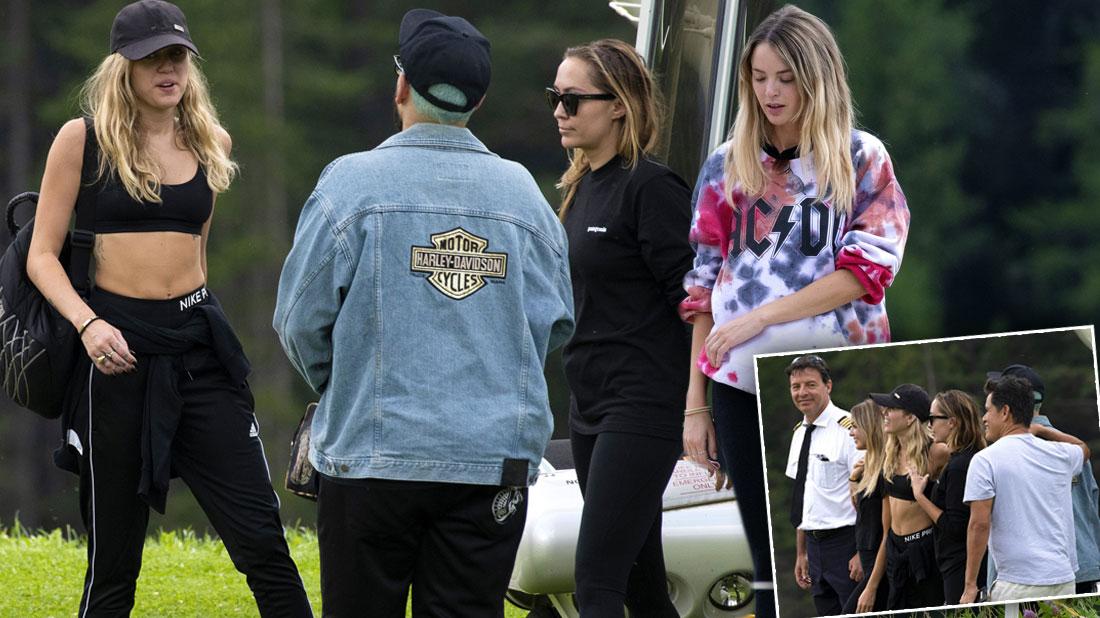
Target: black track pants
216	451
620	560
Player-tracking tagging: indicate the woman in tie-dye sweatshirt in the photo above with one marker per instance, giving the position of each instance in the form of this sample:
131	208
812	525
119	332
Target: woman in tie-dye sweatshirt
799	227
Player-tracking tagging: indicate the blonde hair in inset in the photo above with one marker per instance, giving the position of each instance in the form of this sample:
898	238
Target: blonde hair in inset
914	441
867	415
108	98
968	420
825	112
616	67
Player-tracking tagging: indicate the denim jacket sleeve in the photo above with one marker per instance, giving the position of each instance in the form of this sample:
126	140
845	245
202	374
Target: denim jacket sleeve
550	294
312	287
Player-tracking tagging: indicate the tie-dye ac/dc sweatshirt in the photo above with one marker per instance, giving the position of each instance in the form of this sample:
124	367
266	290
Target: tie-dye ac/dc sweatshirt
764	247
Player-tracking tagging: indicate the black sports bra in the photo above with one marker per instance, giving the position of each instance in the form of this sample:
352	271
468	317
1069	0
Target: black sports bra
183	207
899	487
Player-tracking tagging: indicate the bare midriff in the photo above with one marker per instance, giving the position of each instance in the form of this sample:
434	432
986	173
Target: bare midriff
907	517
149	265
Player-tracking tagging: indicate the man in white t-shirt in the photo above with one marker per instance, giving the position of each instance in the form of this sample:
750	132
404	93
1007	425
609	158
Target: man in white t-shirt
1020	482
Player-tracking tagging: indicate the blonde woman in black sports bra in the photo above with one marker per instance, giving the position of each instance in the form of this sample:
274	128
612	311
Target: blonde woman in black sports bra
906	557
163	391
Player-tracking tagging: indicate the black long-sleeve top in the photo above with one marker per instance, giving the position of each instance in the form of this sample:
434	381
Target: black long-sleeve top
950	529
627	363
869	518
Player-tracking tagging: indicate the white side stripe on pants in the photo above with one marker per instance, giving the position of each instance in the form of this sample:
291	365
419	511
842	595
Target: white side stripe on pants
91	471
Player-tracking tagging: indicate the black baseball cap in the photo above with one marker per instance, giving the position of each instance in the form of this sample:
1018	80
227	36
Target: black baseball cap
144	27
438	49
1025	372
908	397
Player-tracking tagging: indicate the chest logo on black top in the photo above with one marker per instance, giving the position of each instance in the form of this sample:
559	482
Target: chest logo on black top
457	264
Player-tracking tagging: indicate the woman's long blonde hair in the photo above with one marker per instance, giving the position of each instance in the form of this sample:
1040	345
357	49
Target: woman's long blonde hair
968	420
914	441
867	416
108	98
825	112
616	67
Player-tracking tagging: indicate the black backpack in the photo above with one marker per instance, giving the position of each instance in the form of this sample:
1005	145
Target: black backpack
39	348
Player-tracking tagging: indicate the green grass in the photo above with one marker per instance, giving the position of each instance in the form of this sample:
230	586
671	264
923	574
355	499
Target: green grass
182	575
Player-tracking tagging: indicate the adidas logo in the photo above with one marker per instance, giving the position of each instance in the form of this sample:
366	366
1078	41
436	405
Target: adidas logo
254	432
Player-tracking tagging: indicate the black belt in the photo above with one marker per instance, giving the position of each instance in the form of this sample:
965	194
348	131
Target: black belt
821	535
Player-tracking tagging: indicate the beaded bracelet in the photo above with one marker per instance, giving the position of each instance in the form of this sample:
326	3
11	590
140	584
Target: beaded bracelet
86	324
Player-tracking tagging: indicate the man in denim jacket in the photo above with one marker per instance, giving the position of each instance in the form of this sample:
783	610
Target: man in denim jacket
427	282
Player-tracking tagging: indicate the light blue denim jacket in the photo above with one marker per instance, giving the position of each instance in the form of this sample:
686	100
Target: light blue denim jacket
427	281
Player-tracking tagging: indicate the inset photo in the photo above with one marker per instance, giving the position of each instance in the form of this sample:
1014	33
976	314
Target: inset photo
936	473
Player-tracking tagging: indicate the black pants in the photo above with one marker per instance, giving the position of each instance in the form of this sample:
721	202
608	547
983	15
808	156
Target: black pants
454	544
954	573
911	568
216	451
737	426
828	557
882	595
620	560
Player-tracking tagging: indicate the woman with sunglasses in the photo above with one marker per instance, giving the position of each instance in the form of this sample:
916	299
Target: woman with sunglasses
799	228
163	388
627	218
956	422
866	487
907	557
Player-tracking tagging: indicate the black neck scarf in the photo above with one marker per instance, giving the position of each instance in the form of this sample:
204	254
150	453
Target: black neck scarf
787	155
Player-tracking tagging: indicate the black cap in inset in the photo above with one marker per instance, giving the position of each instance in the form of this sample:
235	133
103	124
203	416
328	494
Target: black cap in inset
908	397
144	27
1025	372
438	49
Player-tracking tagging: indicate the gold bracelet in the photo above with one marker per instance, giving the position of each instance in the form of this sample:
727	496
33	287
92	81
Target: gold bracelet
698	410
86	324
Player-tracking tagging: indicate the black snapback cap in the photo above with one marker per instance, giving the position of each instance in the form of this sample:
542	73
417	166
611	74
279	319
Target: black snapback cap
1025	372
909	397
439	49
144	27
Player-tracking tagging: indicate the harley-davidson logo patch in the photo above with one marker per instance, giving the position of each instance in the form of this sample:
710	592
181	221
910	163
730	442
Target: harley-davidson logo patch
458	264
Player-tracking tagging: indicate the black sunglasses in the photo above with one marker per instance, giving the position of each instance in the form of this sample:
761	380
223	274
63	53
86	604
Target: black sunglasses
570	100
933	417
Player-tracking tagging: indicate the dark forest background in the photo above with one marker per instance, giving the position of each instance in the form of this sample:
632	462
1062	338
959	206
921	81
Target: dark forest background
989	109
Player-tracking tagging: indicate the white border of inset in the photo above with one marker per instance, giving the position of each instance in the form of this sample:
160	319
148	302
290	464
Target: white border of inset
1081	331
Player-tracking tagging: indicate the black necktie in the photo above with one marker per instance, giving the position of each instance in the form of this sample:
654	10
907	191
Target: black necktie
800	477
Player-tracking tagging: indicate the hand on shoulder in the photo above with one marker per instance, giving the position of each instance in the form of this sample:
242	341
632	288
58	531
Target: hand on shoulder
939	453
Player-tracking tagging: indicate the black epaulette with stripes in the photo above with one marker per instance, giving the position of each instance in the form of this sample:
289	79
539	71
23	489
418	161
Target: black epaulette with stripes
846	422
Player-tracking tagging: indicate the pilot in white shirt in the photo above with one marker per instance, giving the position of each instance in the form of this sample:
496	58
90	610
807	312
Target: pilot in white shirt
827	503
821	508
